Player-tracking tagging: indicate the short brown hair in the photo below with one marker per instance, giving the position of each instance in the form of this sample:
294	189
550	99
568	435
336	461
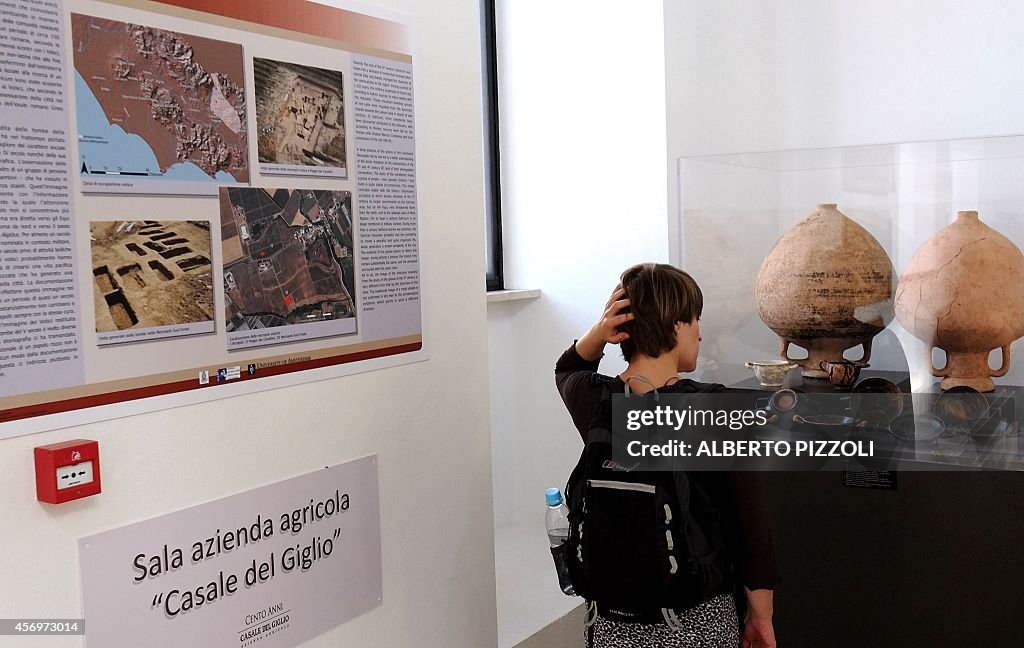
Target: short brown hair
660	295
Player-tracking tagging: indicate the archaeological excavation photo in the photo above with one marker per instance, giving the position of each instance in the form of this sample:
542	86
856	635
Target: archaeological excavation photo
149	274
300	115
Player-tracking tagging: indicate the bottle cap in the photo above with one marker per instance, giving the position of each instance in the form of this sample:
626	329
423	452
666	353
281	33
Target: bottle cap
553	496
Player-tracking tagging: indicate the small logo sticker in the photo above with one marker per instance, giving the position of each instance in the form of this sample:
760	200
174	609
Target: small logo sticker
229	373
617	467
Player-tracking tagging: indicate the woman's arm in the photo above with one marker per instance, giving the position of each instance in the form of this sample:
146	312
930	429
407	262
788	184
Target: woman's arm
758	631
756	567
577	366
751	534
606	331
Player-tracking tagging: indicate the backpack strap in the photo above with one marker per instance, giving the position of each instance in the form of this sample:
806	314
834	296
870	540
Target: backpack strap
600	428
681	484
597	432
642	379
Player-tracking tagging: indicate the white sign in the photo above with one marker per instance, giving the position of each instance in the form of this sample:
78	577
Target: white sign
273	567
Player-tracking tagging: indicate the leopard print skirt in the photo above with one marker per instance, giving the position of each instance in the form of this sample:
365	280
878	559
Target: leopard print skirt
712	624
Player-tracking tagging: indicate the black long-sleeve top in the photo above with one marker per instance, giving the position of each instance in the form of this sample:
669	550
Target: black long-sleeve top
740	494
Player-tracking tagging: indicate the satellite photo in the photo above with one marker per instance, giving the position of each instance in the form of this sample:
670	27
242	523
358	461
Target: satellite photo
288	257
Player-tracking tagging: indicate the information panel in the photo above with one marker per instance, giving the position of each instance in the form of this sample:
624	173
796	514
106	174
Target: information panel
274	566
200	193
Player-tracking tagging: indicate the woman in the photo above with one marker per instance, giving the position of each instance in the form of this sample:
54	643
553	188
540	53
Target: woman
653	315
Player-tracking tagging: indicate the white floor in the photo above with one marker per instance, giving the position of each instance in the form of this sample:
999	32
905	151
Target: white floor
527	588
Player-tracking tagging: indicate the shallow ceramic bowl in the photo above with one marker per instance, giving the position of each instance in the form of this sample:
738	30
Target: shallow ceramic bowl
828	420
917	428
784	400
771	373
962	406
877	400
990	429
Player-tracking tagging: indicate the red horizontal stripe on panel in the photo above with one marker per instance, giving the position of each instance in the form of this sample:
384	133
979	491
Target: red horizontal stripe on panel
57	407
309	18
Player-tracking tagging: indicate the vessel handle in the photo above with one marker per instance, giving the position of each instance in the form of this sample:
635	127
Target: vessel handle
940	373
785	354
1001	371
785	349
867	351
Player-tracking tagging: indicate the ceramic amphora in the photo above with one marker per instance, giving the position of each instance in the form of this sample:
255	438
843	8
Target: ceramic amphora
826	286
963	292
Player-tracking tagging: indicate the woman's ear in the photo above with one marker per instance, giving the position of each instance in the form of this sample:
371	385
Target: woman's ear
676	330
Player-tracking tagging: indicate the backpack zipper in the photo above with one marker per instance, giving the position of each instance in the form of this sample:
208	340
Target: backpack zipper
617	485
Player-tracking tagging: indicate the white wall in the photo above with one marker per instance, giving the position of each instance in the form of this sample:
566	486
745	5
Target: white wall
583	191
744	75
583	197
427	421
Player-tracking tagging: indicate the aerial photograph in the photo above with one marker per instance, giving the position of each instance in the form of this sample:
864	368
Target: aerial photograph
151	273
288	257
183	95
300	114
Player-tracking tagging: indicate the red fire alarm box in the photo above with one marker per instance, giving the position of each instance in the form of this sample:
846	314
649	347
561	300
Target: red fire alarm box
67	471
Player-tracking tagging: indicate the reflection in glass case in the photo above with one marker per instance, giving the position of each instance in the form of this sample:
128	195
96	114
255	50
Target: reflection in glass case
895	261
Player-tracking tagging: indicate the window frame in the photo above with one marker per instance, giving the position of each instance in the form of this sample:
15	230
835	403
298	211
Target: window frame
494	259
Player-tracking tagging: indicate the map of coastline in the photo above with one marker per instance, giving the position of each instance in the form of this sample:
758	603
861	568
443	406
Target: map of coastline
159	104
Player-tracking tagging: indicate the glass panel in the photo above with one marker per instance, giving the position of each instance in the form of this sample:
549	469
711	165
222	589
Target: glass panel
734	208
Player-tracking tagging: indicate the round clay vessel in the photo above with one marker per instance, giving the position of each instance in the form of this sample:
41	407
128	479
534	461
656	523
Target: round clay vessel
961	292
826	286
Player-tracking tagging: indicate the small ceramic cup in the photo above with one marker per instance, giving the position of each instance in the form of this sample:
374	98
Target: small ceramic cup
783	400
842	373
771	373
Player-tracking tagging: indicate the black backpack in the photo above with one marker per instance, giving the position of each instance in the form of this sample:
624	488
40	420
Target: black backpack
641	540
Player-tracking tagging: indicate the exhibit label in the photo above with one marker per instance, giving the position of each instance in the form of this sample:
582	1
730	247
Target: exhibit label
277	565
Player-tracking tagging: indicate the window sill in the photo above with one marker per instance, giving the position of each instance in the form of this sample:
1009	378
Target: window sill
495	296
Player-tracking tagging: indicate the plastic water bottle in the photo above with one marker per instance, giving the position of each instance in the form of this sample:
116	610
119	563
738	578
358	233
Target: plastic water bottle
556	520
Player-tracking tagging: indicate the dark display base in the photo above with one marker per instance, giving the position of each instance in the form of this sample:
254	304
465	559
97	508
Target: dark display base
867	567
813	385
963	445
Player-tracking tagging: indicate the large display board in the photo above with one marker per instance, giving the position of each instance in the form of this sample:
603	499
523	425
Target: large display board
196	194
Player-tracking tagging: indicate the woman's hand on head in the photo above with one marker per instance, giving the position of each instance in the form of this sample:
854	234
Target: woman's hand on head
613	317
606	330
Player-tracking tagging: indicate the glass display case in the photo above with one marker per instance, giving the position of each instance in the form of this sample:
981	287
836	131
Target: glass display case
838	252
